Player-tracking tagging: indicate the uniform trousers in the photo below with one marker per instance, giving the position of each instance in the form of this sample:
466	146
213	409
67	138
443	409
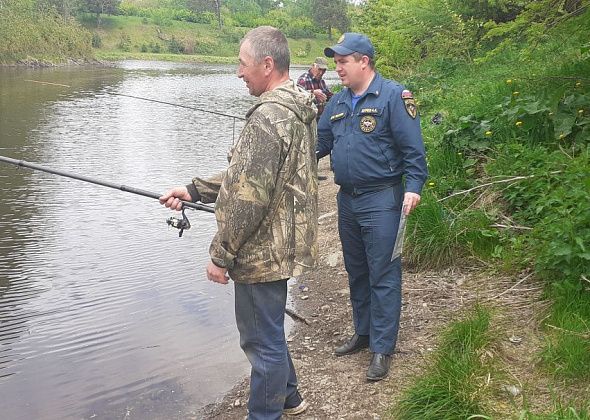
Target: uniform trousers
368	224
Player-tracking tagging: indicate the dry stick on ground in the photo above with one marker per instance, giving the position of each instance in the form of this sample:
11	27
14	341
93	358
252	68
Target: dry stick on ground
513	286
582	335
498	225
296	316
487	184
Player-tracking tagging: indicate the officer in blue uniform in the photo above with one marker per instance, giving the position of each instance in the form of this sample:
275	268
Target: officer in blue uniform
372	131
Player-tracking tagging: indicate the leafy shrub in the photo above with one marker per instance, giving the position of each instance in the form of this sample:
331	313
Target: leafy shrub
175	46
124	43
96	40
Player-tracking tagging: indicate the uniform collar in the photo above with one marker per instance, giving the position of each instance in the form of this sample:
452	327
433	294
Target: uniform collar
373	89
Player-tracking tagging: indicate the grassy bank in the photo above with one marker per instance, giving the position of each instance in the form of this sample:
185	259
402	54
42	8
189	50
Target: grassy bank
134	37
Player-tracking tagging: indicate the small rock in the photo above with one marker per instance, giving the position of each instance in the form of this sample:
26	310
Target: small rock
237	403
333	259
512	390
304	297
514	339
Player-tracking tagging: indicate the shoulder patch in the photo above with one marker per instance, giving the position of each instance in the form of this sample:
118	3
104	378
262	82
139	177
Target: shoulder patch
410	103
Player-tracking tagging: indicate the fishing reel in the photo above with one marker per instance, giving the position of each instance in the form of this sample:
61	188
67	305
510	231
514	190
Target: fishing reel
181	224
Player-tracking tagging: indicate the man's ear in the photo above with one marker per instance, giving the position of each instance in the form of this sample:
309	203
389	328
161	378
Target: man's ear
269	65
365	61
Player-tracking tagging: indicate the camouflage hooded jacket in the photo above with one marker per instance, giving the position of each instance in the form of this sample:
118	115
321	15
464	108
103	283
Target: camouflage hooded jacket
266	201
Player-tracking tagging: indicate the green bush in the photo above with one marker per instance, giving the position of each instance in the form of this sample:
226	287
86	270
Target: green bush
96	40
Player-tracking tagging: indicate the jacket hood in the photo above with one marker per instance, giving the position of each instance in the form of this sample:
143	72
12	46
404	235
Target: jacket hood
291	96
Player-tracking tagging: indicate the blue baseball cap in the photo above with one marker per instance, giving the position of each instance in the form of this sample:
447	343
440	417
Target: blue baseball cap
349	43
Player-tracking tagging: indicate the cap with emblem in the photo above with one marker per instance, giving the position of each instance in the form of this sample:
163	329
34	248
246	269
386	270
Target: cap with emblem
349	43
321	63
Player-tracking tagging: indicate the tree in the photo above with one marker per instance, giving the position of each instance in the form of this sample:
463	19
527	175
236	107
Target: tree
101	7
200	6
328	14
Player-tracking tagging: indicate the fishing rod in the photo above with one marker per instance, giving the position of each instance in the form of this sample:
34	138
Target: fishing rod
235	117
181	224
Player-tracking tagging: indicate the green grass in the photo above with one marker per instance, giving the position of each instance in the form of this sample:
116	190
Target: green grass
438	237
567	352
454	384
125	37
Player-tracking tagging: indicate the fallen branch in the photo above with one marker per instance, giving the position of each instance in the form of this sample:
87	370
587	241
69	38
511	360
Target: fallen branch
512	287
581	335
295	316
487	184
498	225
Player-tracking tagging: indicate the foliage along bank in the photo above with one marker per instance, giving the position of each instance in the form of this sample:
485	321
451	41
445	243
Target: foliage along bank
31	35
505	103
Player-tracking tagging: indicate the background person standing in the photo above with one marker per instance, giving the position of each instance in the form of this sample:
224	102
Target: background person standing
266	211
372	130
313	81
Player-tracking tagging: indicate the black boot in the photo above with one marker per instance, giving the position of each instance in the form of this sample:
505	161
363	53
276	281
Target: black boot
379	367
354	345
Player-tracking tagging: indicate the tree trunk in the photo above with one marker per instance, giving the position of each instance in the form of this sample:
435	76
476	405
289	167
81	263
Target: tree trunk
218	12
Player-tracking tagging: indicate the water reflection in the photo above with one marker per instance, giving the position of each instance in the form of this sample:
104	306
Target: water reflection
104	311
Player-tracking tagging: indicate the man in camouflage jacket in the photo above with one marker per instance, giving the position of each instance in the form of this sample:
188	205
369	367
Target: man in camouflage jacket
266	211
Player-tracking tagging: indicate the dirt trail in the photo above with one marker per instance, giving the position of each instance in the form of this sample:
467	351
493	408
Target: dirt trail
337	387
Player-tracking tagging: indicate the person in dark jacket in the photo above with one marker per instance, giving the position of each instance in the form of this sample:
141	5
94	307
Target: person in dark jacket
372	131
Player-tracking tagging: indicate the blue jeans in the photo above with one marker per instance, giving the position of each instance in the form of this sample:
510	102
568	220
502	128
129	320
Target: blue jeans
260	316
368	225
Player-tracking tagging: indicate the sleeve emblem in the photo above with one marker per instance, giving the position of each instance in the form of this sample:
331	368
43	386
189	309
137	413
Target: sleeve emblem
410	103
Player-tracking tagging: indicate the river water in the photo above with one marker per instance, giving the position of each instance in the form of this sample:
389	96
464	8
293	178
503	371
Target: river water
104	311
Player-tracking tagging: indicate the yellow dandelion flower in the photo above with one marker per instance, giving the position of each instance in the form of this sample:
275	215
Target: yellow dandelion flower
460	154
488	133
509	81
580	111
516	93
518	123
561	136
431	184
551	113
578	84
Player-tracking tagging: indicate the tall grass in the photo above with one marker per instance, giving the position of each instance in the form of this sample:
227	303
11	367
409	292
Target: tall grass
567	352
454	384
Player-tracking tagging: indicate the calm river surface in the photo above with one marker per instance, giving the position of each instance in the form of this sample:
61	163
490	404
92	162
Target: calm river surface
104	311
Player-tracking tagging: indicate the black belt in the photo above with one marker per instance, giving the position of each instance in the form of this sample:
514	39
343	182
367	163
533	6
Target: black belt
356	191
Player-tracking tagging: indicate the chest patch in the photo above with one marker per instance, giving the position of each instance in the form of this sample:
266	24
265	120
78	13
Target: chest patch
368	123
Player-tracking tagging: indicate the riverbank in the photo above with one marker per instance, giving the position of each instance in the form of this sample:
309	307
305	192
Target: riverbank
336	388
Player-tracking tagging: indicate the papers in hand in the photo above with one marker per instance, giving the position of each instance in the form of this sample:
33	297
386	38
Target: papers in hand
399	239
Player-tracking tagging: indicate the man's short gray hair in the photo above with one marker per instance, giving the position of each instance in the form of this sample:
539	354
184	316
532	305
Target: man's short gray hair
268	41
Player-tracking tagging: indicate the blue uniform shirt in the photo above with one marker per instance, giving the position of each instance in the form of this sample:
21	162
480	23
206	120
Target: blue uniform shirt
377	142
